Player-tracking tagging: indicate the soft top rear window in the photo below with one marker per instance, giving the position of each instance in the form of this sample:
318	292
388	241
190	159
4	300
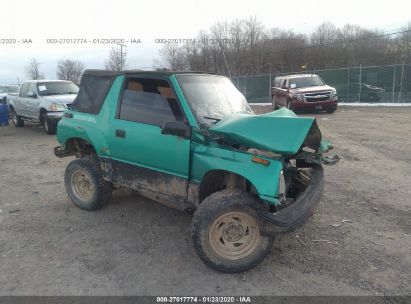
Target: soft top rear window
93	91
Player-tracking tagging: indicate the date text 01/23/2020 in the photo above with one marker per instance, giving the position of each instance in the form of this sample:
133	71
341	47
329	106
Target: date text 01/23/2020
207	299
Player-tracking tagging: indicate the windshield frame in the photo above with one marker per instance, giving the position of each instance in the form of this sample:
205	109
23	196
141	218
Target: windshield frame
52	82
209	122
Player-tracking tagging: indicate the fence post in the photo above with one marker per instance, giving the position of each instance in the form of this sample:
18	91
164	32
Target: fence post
269	87
402	77
245	86
393	83
348	85
359	94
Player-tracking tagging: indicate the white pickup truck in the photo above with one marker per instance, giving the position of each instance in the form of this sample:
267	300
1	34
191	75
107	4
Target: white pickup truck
42	101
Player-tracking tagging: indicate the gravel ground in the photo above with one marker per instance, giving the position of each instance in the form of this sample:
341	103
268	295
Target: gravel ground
357	242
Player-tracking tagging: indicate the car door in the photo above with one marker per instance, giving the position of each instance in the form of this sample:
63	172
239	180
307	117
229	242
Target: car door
20	101
32	102
142	156
282	93
275	90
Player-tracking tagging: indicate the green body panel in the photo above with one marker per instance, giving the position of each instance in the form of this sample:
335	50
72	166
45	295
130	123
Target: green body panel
209	157
279	131
145	146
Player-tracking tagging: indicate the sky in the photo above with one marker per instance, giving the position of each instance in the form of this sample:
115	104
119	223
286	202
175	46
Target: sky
145	21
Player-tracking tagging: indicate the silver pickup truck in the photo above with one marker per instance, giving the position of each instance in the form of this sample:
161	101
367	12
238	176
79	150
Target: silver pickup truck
42	101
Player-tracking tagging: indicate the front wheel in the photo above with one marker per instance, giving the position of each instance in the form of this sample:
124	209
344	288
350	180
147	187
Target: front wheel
226	232
275	107
49	126
85	184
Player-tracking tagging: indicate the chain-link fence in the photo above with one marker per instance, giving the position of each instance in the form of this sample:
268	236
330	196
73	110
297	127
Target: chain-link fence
376	84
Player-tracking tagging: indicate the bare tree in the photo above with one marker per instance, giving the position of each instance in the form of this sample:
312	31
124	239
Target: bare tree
172	57
116	60
33	70
70	69
246	47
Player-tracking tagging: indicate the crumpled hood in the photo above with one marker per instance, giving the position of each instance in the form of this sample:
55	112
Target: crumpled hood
279	131
67	98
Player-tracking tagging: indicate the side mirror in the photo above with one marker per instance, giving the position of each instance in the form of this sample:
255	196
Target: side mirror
177	128
31	95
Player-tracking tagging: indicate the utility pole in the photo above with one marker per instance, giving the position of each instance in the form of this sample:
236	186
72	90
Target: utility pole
402	77
122	55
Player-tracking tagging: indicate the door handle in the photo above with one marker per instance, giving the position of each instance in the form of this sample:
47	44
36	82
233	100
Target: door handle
120	133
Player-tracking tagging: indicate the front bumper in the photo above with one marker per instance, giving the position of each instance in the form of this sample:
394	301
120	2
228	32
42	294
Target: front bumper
315	105
57	115
294	215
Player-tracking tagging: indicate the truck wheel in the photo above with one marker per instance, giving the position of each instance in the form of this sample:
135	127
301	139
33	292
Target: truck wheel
275	107
17	121
226	232
85	184
49	126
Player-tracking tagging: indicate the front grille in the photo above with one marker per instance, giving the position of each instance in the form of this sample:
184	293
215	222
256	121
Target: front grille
317	96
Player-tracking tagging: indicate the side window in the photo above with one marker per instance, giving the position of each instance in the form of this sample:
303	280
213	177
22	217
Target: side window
276	81
24	89
31	90
284	85
149	101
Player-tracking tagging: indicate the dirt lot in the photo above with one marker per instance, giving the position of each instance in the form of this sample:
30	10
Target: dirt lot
136	246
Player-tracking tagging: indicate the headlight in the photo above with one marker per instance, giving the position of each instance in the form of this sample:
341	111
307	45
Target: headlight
299	96
57	107
334	94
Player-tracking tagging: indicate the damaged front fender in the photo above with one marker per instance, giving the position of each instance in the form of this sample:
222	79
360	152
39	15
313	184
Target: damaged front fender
280	131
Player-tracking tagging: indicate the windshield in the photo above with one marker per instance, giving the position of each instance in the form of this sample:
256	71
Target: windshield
212	97
56	88
9	89
302	82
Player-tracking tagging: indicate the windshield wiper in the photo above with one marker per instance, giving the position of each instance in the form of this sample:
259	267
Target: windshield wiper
212	118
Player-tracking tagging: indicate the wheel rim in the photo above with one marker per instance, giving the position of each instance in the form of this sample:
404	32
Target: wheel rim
234	235
82	185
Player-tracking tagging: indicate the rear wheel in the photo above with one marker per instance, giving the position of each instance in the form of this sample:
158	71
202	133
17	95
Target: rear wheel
49	126
331	110
85	184
226	232
275	107
17	121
